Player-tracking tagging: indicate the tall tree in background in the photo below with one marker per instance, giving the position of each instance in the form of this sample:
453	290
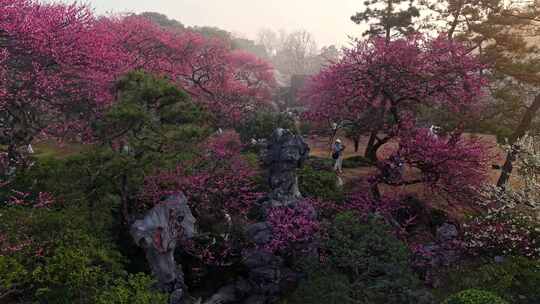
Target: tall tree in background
295	53
504	34
236	41
163	20
388	18
270	40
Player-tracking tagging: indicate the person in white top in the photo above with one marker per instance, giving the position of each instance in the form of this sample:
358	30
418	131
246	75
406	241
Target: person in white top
337	155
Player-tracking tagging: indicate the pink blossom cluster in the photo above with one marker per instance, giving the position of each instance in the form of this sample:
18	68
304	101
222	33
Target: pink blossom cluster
59	64
362	204
49	59
453	165
4	163
7	248
229	82
502	234
292	226
376	74
221	180
25	198
215	251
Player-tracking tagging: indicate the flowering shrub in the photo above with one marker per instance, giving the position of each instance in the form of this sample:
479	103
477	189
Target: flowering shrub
454	166
219	181
292	225
40	200
432	256
13	197
511	224
220	187
527	154
395	210
160	185
7	247
363	205
503	233
213	250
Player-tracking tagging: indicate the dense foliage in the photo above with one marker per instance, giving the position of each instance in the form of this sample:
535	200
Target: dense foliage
261	124
511	279
62	62
124	111
365	263
473	296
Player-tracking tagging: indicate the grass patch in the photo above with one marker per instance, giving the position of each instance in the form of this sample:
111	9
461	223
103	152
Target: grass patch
356	162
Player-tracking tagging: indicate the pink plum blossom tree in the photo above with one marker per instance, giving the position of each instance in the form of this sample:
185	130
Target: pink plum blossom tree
379	87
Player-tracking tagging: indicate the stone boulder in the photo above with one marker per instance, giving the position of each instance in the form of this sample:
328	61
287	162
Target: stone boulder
158	233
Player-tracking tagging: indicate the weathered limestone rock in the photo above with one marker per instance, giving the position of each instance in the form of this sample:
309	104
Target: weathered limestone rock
267	275
284	154
447	232
158	233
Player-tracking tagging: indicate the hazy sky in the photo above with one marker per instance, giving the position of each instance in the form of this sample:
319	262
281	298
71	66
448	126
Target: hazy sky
328	20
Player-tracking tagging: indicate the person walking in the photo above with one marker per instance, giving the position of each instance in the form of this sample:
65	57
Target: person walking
337	155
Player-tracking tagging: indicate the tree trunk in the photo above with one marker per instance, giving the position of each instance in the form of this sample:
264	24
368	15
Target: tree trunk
369	147
376	194
124	196
356	144
333	136
521	130
371	151
13	155
507	168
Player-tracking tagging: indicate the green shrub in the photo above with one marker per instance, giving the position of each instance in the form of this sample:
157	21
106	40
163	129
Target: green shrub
355	162
475	296
320	163
137	289
366	264
305	127
13	276
323	286
83	178
261	124
319	184
57	256
516	279
75	272
437	218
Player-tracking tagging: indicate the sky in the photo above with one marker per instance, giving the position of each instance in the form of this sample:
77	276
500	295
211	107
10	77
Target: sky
328	20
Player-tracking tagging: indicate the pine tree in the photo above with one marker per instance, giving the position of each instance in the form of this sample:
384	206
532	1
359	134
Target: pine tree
388	18
504	34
